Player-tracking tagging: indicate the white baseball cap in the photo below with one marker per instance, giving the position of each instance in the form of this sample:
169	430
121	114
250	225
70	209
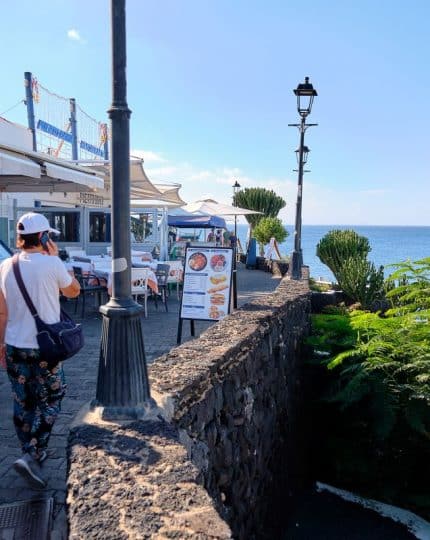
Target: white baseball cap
34	223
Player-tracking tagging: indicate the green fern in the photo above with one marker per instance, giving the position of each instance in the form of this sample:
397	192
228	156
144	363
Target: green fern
409	287
388	366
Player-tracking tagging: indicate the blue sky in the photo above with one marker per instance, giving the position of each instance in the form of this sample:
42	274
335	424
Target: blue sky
210	86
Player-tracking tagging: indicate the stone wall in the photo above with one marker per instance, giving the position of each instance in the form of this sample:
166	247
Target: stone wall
233	394
277	268
232	399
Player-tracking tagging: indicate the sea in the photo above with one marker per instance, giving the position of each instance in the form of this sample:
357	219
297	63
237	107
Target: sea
389	244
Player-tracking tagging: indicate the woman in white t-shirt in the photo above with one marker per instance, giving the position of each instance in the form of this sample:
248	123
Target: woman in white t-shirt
37	387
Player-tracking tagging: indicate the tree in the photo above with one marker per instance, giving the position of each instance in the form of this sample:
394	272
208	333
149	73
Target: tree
267	228
260	199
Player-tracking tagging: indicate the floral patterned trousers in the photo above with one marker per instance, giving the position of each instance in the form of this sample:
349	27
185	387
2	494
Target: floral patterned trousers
37	393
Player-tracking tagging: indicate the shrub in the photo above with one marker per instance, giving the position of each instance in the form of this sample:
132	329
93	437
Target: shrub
267	228
389	368
337	246
361	281
345	253
373	409
408	287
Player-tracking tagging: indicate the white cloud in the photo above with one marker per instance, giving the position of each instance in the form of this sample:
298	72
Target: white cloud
148	156
322	204
74	35
214	183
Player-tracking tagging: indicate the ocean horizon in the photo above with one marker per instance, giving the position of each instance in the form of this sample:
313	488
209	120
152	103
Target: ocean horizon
390	244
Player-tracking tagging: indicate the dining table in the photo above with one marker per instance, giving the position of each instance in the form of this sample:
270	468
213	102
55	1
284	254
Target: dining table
101	267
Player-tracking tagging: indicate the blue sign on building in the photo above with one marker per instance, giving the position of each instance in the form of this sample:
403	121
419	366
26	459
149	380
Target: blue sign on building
68	137
91	148
54	131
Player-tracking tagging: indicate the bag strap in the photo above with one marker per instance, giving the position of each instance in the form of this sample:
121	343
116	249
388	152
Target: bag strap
22	288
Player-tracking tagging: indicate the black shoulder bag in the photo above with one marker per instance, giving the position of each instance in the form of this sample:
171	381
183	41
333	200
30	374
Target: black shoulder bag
57	341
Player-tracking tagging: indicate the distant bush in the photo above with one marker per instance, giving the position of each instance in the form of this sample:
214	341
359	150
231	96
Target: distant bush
319	286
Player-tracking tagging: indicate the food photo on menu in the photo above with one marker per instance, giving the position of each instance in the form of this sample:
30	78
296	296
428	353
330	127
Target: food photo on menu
197	261
217	288
218	299
218	262
215	313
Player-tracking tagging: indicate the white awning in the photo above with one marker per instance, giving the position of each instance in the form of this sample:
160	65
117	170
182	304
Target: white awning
23	171
213	208
66	174
152	203
11	165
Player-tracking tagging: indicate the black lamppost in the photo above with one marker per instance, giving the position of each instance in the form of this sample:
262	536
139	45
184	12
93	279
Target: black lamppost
122	385
236	187
305	93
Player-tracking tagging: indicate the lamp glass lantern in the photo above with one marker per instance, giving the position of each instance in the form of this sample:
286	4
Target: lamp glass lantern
305	93
305	154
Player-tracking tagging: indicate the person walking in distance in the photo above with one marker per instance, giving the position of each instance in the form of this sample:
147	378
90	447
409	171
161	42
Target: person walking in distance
37	388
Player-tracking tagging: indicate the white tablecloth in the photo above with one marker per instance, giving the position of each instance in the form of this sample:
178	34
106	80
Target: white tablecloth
105	272
86	267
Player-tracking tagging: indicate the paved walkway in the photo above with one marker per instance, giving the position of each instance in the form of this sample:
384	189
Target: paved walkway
160	329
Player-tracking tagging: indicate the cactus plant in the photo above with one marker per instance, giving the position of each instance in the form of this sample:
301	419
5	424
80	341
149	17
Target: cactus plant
337	246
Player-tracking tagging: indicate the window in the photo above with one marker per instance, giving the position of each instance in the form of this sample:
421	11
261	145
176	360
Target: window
68	223
141	226
100	227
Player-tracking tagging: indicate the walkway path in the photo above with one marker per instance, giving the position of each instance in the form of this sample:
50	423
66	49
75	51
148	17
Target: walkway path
160	329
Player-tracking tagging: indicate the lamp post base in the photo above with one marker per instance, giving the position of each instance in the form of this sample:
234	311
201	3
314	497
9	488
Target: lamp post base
295	265
122	383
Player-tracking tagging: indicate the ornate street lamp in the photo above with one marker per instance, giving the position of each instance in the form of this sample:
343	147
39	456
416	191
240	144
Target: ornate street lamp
122	384
305	93
236	187
305	155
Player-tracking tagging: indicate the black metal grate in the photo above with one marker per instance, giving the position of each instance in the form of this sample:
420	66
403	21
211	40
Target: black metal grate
26	520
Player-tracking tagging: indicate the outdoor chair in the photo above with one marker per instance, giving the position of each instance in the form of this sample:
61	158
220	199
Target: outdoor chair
162	274
75	252
90	284
175	276
78	258
139	285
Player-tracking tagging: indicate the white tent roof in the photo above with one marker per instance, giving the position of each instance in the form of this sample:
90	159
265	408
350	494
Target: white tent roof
213	208
152	203
171	193
26	171
143	193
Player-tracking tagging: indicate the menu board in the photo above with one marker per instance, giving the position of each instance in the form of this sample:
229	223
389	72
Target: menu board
207	283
